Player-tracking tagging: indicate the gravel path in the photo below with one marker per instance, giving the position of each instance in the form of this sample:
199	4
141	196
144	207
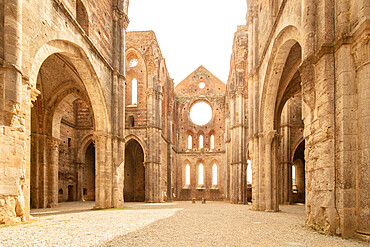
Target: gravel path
170	224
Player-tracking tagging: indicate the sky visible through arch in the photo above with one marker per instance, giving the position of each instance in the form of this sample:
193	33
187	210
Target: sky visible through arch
191	33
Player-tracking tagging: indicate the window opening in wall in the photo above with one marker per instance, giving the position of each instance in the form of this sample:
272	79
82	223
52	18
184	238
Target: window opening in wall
69	142
294	186
201	85
82	16
134	91
201	174
201	113
249	172
85	192
190	140
131	121
187	174
133	63
214	174
212	141
201	141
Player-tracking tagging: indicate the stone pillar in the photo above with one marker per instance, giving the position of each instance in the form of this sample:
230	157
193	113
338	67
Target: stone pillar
308	27
361	58
79	191
120	23
35	171
153	163
261	173
152	182
255	175
53	162
100	153
238	150
268	136
108	173
12	64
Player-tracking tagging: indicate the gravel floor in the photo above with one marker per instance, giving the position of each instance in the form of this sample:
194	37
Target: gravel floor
167	224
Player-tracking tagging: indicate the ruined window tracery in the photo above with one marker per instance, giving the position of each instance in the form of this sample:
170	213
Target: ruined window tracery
201	113
133	62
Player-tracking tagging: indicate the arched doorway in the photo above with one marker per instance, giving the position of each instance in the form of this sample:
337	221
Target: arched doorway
88	174
298	175
134	189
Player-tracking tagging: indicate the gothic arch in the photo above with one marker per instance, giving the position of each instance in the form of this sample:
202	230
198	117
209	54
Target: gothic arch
186	162
83	147
55	109
284	41
88	76
139	72
142	144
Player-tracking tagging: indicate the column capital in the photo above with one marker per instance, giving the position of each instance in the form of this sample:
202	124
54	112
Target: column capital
268	136
53	142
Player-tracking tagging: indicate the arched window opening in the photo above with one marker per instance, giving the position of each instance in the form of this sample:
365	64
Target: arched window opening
201	141
131	121
187	174
249	172
212	142
201	174
134	92
294	186
214	174
133	63
82	16
190	142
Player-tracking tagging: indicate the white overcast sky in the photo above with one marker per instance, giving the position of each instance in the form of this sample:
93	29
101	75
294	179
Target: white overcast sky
191	33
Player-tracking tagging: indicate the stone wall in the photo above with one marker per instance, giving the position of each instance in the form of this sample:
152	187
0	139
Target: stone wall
149	119
333	41
36	45
188	93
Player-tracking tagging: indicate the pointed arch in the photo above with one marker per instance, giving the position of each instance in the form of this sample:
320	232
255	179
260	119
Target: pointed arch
89	78
285	40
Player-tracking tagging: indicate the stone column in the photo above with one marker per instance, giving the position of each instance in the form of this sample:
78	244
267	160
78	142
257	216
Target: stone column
268	137
153	162
53	161
238	162
100	153
261	172
12	64
152	182
35	171
361	58
255	175
108	172
79	191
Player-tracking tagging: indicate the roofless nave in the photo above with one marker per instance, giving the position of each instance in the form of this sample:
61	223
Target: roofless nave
296	105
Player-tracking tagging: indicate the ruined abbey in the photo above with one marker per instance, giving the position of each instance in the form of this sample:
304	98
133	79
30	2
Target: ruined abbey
89	112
